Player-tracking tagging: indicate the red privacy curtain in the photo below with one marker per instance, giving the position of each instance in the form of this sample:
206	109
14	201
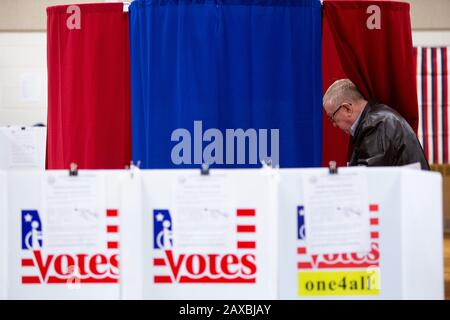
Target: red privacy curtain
379	61
89	119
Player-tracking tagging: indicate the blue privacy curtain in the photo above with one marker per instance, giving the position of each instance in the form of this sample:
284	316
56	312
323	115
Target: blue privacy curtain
225	64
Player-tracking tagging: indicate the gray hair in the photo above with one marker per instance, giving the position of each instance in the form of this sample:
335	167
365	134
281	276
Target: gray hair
341	91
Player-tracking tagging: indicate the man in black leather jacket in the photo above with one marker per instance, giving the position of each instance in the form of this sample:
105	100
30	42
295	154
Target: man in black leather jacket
380	135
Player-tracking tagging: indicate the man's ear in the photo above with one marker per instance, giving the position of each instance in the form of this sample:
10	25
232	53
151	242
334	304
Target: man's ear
348	108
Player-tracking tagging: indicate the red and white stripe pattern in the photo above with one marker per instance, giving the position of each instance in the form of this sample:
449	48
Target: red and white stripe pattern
112	229
246	229
245	243
308	262
432	65
29	265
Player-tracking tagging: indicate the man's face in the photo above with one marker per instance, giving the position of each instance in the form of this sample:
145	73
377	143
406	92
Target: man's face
340	115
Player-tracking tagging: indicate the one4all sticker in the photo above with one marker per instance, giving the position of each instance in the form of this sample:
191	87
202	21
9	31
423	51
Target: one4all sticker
349	274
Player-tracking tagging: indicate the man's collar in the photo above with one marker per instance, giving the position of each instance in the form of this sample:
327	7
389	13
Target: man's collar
355	124
354	128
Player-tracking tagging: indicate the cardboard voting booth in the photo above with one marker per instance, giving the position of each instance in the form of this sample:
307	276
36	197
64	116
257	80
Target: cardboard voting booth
62	237
208	236
231	234
405	230
22	147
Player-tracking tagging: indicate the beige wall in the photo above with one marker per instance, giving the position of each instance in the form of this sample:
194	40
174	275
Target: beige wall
30	15
430	14
23	60
23	78
27	15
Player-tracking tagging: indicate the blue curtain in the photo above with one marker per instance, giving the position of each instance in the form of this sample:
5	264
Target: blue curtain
248	64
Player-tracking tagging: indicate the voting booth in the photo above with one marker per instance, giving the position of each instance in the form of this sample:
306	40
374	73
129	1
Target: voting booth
62	235
404	231
363	233
205	236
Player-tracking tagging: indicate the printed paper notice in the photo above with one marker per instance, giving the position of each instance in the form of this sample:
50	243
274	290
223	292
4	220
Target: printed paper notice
22	148
336	212
202	214
75	212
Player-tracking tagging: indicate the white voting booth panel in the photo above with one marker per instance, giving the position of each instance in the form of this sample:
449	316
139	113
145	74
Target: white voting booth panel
22	147
57	252
224	250
405	259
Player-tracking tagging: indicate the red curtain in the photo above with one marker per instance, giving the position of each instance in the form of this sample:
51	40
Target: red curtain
379	61
89	120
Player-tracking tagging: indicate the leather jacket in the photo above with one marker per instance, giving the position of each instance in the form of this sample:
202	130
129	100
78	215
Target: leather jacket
384	138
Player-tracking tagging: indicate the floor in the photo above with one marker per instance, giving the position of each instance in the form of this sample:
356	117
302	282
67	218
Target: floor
447	265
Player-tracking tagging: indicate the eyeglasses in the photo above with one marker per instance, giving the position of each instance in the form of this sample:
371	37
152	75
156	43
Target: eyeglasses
332	117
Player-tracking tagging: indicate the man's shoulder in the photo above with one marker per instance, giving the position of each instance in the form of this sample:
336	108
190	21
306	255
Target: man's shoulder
379	112
382	119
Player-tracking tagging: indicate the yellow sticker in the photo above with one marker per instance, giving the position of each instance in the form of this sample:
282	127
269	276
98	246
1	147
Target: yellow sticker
339	283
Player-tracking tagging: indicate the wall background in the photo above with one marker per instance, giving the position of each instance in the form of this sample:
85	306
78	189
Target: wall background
23	60
23	65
